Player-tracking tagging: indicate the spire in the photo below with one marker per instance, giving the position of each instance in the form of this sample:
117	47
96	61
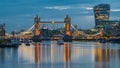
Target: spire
67	16
67	19
37	18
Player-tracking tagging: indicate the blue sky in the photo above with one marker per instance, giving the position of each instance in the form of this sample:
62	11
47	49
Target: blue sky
20	13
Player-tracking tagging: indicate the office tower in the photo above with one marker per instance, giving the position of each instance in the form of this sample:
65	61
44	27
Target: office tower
101	13
2	30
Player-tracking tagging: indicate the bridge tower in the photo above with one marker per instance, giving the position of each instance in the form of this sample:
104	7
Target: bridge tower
37	26
36	37
67	25
67	37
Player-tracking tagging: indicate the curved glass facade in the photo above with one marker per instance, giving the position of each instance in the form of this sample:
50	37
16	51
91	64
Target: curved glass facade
101	12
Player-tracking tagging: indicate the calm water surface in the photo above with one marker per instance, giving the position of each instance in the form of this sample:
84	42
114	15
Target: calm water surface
70	55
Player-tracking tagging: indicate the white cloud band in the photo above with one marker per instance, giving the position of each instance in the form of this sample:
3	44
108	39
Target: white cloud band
58	7
67	7
115	10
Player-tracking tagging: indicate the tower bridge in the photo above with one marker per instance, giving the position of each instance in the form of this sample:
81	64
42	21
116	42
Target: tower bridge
37	32
35	28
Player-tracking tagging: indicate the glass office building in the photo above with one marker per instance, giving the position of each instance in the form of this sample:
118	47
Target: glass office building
2	29
101	12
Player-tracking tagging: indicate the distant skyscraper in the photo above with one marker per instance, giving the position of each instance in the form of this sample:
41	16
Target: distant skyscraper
2	30
101	12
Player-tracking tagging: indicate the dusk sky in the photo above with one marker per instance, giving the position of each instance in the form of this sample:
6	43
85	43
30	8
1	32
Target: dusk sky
19	14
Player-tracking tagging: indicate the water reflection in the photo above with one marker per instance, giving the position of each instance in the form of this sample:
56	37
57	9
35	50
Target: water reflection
7	55
67	52
114	58
102	57
2	55
37	53
69	55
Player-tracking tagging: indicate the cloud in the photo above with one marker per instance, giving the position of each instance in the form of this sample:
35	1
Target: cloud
58	7
87	8
115	10
68	7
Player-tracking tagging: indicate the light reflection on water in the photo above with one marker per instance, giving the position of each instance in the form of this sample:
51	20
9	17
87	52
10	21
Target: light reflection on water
70	55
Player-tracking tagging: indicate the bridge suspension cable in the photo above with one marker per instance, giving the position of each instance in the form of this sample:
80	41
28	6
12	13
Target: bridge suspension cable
29	31
78	31
83	33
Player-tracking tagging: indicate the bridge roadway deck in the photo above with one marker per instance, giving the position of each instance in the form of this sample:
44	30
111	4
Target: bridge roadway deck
52	22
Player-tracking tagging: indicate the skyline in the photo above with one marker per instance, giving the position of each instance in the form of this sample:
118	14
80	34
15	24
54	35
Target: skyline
21	13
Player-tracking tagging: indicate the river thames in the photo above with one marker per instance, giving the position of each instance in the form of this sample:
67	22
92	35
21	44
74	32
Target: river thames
48	54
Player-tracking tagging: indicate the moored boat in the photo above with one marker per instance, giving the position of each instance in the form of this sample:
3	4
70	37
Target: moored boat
10	43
